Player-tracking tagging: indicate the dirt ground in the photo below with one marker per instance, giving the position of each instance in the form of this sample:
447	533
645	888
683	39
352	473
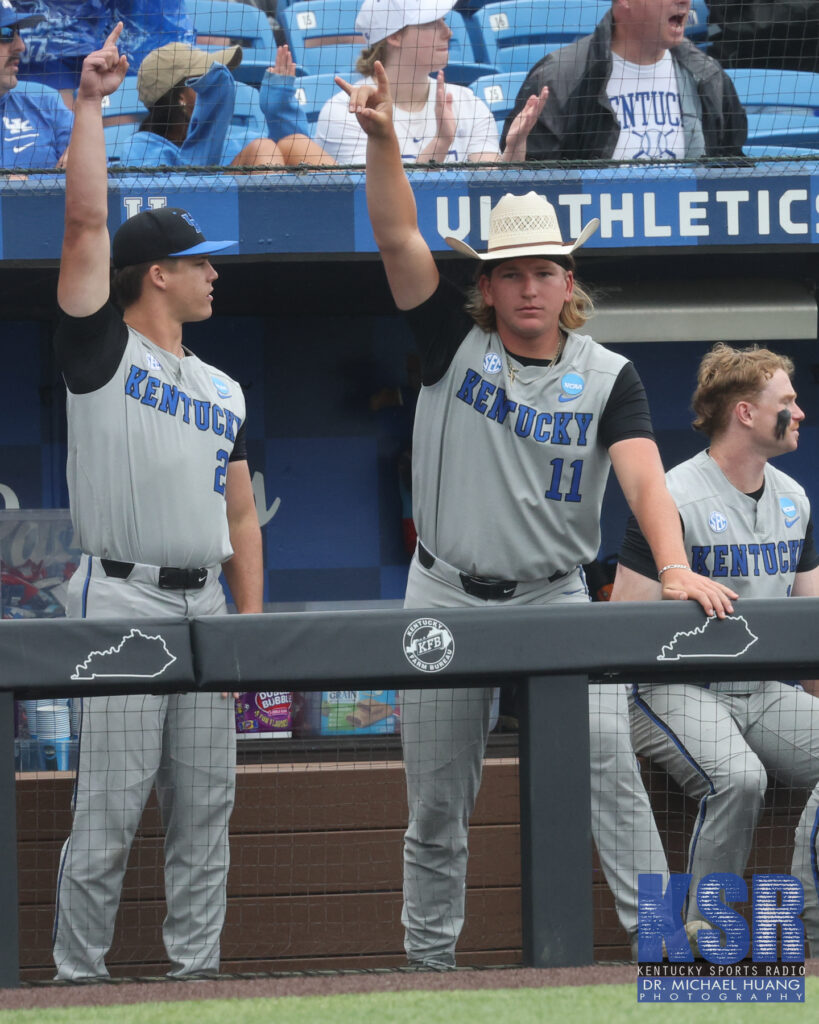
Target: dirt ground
32	996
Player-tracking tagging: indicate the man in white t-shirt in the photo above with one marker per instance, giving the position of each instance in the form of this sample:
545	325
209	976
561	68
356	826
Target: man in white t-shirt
635	89
434	121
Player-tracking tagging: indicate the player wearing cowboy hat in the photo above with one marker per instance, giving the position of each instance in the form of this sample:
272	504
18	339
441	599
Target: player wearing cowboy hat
519	419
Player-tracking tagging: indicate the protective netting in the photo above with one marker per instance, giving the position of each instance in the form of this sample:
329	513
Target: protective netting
627	82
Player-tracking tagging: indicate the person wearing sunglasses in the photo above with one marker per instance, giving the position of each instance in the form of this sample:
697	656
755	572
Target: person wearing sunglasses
36	124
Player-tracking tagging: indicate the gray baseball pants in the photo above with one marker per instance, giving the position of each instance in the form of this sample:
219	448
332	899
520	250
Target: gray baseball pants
185	744
444	735
719	747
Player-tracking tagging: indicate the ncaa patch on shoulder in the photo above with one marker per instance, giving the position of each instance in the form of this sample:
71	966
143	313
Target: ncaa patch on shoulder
789	511
571	387
222	389
428	645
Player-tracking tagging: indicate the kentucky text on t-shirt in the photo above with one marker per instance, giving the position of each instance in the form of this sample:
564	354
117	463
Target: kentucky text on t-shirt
646	101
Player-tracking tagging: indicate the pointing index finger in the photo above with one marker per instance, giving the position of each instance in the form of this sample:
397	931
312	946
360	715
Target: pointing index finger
114	36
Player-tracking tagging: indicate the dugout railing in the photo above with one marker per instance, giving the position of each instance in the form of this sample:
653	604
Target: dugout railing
552	654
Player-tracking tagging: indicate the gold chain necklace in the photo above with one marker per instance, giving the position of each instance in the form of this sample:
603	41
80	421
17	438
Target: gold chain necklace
512	372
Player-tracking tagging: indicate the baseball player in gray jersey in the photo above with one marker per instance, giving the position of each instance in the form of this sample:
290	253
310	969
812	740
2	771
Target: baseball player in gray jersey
161	502
749	523
518	421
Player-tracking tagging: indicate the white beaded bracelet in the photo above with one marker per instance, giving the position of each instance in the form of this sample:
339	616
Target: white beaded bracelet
673	565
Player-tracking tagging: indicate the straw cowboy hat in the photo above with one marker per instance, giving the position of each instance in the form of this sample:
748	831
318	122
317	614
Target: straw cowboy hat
524	226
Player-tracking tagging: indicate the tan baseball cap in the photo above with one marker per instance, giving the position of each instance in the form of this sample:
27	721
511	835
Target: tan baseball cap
173	64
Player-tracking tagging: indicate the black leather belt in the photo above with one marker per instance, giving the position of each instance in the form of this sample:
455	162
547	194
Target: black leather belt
169	577
480	586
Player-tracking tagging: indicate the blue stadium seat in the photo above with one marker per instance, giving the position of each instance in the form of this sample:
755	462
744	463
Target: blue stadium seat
499	92
322	35
772	89
247	113
698	30
312	92
789	129
465	62
323	39
122	111
240	23
755	151
515	34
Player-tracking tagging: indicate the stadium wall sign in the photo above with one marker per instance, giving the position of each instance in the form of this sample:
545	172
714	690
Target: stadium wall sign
325	214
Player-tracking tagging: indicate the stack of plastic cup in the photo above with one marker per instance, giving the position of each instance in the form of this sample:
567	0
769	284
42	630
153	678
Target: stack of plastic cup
53	735
75	715
75	709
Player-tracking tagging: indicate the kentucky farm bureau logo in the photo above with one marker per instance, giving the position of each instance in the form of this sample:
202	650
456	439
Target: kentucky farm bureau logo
428	645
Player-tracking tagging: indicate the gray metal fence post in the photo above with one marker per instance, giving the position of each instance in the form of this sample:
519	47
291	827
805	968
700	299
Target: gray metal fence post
555	822
9	937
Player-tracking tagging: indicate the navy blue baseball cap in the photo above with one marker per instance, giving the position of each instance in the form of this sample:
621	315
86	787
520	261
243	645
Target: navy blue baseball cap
160	234
9	15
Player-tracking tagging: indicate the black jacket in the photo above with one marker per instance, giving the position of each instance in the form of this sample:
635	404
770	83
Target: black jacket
578	122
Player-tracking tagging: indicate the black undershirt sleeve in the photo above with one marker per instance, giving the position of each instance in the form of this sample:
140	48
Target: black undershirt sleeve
239	453
635	554
809	558
88	349
626	413
438	325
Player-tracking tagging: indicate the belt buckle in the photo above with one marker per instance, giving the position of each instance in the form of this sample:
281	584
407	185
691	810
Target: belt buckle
172	579
182	579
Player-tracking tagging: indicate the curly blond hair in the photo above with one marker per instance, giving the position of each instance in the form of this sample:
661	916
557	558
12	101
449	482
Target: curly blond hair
729	375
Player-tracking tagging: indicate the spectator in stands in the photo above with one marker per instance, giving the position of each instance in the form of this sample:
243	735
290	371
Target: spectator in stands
190	97
635	89
745	521
149	24
433	120
68	30
71	29
36	122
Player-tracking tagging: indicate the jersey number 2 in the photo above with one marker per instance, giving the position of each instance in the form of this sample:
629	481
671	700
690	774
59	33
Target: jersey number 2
221	469
573	493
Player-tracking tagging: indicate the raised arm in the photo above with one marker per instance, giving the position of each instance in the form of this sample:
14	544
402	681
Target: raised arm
83	284
410	268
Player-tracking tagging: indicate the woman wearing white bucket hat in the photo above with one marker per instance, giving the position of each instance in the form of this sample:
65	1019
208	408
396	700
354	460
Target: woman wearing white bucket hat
433	120
519	419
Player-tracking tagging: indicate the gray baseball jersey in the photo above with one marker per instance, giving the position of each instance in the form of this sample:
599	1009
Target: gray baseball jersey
753	546
150	436
508	477
720	741
147	459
